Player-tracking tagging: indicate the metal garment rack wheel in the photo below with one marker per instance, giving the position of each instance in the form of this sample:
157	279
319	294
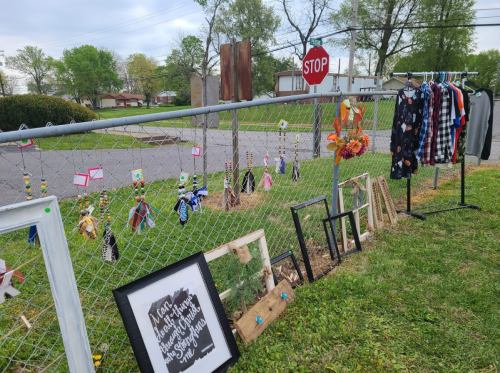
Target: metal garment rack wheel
302	244
461	204
357	242
283	256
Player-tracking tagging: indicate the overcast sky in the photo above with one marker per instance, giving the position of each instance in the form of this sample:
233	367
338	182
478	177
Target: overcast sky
145	26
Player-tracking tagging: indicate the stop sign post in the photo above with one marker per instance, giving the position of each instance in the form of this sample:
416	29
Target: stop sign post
315	65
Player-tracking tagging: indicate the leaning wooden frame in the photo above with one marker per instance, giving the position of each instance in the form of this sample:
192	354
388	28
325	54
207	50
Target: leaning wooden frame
357	205
45	214
258	235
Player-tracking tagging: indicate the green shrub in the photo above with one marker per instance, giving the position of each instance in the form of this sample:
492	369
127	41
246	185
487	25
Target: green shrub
182	99
36	110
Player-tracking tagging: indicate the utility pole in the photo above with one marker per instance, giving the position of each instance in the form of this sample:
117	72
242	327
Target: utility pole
1	84
1	81
353	42
293	71
496	80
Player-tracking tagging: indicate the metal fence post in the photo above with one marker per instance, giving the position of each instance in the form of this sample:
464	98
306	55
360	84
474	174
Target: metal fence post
315	123
335	183
375	116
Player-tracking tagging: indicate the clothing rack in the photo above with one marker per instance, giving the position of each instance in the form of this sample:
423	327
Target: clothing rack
458	205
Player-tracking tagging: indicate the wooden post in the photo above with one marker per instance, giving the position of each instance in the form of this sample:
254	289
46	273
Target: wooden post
234	98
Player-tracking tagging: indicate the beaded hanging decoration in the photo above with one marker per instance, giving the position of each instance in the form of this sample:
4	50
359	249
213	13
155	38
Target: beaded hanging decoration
282	156
181	207
296	165
109	248
248	185
267	180
194	199
87	223
229	197
142	214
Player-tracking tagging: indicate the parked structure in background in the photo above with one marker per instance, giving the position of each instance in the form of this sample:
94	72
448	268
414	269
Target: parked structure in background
165	97
332	82
397	82
116	100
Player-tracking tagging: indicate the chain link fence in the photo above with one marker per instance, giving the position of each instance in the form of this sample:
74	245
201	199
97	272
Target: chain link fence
30	339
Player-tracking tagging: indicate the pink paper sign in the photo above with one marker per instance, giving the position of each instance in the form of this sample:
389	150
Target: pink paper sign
24	143
196	151
81	180
96	173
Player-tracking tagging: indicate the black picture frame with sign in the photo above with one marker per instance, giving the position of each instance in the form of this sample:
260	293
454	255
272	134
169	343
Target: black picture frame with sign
175	320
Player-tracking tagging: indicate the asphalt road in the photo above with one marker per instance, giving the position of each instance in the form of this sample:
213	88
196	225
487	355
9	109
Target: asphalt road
158	163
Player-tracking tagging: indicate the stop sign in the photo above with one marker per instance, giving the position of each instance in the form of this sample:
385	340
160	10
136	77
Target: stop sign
315	65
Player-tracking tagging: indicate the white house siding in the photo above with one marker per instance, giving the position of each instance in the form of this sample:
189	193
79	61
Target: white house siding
108	102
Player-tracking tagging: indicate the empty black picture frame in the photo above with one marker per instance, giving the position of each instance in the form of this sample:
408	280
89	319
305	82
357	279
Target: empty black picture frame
335	255
140	350
354	229
279	258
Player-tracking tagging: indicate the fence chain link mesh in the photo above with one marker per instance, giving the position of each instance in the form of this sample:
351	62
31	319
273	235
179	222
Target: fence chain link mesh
162	149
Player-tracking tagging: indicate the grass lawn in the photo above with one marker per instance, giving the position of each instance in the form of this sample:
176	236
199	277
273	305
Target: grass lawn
422	297
266	118
375	307
90	141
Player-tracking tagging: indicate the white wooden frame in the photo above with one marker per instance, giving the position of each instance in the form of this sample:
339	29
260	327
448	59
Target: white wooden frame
45	214
245	240
368	204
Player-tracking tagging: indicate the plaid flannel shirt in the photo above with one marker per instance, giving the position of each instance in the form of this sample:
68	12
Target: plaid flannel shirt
435	121
425	120
426	154
443	141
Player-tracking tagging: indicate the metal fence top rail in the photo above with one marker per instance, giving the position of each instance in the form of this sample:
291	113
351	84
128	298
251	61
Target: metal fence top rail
464	73
67	129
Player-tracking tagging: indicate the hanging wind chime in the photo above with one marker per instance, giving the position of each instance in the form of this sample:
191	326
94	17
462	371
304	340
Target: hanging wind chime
142	214
248	185
296	165
267	180
229	197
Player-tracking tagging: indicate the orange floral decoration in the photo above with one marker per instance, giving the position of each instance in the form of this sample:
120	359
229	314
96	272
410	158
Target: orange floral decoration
354	146
353	143
365	140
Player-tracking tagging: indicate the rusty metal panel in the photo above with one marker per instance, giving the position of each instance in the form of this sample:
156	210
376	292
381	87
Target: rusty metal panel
225	71
244	70
212	99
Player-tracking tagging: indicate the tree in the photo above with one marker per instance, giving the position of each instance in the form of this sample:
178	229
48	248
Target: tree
11	84
310	14
184	62
250	20
391	15
487	64
441	49
33	63
88	71
143	69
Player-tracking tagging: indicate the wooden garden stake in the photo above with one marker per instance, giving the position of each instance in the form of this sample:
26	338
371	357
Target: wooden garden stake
378	216
389	203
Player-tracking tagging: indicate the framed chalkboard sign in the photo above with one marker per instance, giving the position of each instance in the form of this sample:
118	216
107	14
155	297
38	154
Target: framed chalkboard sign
175	320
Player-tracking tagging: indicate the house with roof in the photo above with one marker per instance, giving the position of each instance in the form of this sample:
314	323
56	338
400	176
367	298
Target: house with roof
165	97
292	83
397	82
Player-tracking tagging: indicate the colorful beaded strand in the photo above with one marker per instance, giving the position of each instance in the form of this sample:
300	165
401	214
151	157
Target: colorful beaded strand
27	186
